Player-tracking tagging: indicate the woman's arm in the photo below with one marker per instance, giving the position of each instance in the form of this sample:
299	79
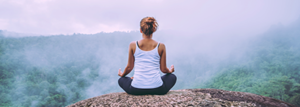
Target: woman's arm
130	63
163	62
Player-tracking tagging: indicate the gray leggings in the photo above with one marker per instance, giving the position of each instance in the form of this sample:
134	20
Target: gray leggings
169	81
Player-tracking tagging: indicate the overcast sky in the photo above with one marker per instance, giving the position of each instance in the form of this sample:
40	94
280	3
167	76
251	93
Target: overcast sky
234	17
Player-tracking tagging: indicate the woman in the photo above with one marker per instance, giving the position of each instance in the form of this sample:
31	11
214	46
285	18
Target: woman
149	58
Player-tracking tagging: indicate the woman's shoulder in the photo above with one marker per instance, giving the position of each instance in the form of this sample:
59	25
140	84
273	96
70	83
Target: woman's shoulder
161	48
132	44
161	45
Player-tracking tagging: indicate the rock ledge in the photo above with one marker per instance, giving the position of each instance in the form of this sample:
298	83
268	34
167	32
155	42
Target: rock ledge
183	98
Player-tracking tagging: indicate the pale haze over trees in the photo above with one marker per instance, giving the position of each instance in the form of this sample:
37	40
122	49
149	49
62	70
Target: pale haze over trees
56	53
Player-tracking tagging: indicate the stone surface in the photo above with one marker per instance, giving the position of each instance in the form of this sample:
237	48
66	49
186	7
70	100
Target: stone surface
183	98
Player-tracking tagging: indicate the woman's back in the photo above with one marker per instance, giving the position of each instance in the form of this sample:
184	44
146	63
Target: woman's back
147	66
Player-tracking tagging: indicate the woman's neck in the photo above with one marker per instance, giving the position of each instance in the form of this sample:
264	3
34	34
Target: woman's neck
147	37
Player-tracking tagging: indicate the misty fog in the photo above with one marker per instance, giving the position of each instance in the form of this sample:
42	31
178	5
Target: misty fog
59	70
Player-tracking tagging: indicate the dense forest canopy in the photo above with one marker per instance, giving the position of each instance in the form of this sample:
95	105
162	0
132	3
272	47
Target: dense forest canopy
60	70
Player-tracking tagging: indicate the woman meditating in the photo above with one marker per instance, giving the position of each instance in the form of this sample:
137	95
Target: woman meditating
149	58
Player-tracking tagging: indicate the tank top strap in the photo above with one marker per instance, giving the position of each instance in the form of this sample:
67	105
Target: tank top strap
137	44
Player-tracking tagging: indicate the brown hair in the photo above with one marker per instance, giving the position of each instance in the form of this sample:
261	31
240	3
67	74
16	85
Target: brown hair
148	25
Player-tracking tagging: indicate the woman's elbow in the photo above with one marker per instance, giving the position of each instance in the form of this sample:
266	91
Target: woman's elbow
129	68
164	70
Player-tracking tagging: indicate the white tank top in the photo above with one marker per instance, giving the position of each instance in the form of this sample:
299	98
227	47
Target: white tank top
147	68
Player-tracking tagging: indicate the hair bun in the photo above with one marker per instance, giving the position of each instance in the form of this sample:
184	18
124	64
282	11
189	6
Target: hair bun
150	21
148	25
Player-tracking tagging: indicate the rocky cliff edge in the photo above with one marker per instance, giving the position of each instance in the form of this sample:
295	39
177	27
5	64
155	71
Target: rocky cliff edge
183	98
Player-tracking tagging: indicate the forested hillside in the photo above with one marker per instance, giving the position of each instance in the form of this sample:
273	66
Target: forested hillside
272	68
60	70
55	71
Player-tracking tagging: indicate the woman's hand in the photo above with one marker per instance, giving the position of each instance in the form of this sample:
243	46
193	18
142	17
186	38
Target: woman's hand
172	69
120	73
